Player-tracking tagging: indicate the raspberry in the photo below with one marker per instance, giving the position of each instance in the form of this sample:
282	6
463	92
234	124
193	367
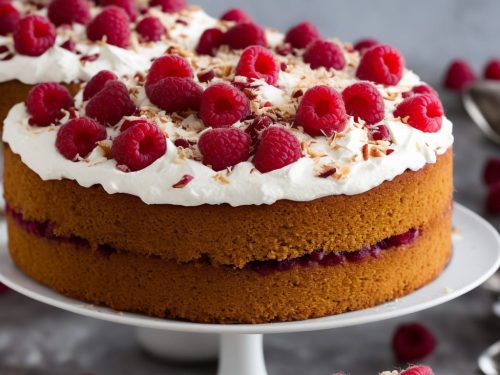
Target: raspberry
418	370
78	137
423	112
34	35
301	35
67	12
421	89
69	45
277	148
245	34
139	146
322	53
258	63
129	123
46	102
237	15
111	23
210	41
363	100
223	148
363	45
257	126
169	6
381	64
3	289
412	342
491	173
492	70
168	66
9	18
150	29
110	104
321	111
222	105
174	94
459	75
379	133
493	198
97	83
127	5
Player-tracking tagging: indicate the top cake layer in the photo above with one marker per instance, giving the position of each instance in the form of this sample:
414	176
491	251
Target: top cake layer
392	124
73	57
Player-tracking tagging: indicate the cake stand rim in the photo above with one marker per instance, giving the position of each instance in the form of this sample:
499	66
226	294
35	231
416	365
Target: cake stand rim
431	295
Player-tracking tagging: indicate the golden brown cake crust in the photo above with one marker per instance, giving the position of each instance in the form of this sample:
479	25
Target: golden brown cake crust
13	92
205	293
231	235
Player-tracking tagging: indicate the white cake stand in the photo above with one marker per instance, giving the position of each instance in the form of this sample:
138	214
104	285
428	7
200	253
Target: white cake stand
476	256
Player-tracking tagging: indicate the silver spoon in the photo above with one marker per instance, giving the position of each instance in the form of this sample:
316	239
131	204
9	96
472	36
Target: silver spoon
482	102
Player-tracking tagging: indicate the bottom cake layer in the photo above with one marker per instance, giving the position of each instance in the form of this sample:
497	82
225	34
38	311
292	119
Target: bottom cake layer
204	293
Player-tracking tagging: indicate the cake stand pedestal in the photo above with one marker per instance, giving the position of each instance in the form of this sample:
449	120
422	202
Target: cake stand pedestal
476	250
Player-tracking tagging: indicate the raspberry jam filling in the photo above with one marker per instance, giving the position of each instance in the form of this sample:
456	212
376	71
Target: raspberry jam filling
319	258
315	259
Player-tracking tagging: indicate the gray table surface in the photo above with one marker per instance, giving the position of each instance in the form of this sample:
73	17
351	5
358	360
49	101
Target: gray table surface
41	340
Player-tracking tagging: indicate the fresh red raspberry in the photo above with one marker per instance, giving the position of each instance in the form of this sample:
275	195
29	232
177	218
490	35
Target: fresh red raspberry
127	5
46	102
3	289
67	12
151	29
421	89
301	35
78	137
459	75
381	64
493	198
418	370
174	94
257	126
277	148
9	18
34	35
222	105
245	34
129	123
237	15
110	104
224	147
321	111
363	100
169	6
379	133
168	66
363	45
423	112
210	41
258	62
322	53
97	83
112	24
139	146
412	342
491	173
492	70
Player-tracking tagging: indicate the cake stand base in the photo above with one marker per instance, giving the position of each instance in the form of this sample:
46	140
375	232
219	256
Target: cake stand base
476	249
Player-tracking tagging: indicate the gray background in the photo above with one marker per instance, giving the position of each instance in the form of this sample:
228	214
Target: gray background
36	339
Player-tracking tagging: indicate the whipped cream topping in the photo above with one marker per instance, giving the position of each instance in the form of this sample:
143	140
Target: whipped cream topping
351	162
61	65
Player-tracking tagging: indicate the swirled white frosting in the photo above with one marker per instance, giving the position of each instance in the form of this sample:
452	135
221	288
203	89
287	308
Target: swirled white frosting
60	65
360	164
